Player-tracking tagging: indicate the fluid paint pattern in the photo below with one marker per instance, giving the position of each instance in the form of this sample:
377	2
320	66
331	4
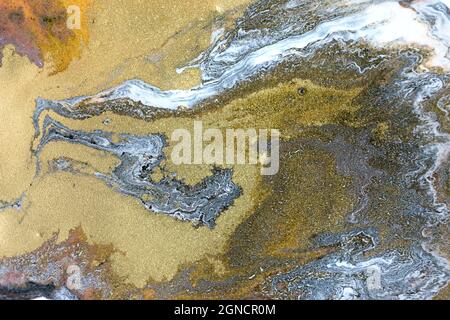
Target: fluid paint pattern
360	91
139	156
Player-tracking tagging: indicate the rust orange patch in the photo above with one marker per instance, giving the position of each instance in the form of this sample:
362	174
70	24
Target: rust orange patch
38	29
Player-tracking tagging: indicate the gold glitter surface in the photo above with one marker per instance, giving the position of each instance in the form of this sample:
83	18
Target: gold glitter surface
339	147
147	246
153	246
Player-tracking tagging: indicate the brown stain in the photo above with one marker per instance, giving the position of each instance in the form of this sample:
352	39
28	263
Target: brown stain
38	30
121	38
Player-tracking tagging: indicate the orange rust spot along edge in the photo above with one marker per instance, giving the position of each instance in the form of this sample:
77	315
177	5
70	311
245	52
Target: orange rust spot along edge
45	31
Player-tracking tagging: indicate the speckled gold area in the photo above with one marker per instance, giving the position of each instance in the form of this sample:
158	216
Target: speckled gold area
39	30
152	246
123	44
349	196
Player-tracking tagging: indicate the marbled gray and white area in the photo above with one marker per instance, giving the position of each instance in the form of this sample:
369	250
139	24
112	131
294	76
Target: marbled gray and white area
139	155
